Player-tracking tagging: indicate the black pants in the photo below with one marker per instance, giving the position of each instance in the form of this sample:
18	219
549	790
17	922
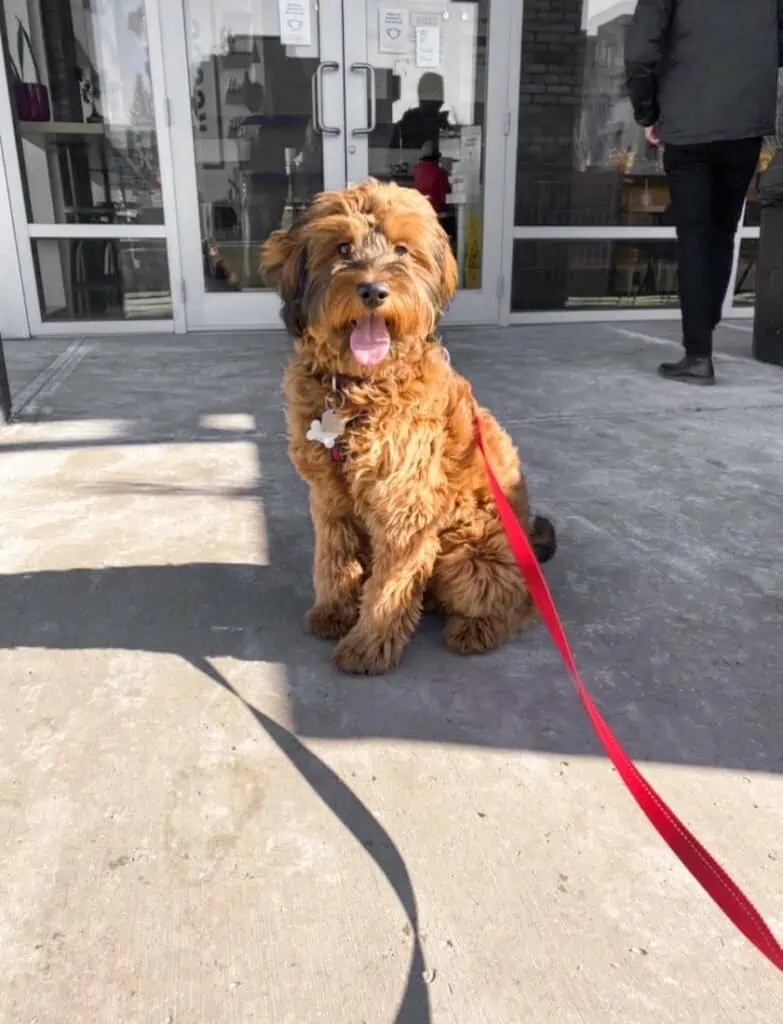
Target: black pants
708	184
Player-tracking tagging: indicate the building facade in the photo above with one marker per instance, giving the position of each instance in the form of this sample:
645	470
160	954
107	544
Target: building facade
147	147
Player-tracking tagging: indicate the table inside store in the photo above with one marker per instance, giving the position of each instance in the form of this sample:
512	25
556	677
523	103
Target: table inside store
644	203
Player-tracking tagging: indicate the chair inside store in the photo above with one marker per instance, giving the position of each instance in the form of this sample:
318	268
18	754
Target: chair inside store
646	269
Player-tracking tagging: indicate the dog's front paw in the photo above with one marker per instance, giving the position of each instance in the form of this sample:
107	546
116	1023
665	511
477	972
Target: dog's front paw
361	655
331	621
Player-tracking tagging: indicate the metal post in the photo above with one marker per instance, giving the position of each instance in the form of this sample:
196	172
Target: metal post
5	389
768	318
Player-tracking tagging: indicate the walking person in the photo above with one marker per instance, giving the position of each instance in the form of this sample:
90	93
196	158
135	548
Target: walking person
702	76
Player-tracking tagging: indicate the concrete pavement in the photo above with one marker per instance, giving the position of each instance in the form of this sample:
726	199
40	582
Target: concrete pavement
201	821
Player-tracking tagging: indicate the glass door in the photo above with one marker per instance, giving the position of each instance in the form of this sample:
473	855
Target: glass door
255	91
271	101
419	77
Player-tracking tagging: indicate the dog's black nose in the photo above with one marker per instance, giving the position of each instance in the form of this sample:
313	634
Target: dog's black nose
372	294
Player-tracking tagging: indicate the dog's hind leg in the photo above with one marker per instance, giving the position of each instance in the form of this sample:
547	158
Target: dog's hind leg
478	583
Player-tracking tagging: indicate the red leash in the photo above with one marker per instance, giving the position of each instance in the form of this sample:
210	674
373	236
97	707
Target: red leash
704	868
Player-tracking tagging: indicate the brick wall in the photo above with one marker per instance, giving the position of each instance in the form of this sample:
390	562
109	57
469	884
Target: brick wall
550	98
551	86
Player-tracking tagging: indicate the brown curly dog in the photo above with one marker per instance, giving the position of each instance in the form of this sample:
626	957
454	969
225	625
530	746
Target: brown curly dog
381	428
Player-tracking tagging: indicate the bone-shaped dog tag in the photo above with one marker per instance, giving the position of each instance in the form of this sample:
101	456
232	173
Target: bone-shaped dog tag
326	430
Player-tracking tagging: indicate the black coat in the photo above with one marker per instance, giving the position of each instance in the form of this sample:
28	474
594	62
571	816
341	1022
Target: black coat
705	70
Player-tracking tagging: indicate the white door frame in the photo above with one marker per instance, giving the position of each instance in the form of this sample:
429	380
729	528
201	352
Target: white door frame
484	306
13	315
252	309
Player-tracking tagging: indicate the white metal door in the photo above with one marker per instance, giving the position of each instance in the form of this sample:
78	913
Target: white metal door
419	65
255	92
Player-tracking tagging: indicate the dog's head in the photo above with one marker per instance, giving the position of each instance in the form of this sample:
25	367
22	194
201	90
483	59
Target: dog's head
364	275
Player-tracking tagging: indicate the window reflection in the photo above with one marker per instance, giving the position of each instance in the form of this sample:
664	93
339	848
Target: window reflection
753	206
745	289
576	275
102	278
582	159
430	125
81	95
258	155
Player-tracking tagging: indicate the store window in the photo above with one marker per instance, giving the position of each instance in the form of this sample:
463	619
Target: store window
584	164
583	161
584	167
81	96
593	274
745	288
753	207
102	278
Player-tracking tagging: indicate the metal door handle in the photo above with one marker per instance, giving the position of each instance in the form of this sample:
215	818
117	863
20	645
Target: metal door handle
317	94
369	71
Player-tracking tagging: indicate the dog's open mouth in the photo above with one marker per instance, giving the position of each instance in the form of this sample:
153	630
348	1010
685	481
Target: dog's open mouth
370	340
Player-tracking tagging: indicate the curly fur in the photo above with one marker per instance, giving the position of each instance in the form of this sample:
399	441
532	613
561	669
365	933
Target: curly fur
406	522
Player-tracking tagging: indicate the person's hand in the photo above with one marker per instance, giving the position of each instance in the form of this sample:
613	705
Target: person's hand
651	134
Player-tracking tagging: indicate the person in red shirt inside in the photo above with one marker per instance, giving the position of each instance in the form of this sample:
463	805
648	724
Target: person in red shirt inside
430	178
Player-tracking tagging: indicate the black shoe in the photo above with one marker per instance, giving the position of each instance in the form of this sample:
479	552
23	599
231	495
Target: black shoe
690	370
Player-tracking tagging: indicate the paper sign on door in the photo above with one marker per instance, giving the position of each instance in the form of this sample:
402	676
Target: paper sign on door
294	22
427	46
470	146
393	30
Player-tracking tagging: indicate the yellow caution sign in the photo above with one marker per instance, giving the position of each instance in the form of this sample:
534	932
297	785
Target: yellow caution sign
473	248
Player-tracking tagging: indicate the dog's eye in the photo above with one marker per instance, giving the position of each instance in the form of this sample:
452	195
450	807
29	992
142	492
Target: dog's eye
345	249
401	250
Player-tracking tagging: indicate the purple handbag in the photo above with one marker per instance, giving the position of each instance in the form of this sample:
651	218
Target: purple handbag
31	99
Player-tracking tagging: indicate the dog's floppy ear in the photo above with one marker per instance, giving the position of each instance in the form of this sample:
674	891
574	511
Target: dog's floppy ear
284	267
448	270
278	258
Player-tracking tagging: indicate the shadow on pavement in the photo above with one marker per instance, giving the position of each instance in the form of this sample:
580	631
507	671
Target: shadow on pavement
679	646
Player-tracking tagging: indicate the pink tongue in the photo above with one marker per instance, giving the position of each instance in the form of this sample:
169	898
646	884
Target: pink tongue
370	340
